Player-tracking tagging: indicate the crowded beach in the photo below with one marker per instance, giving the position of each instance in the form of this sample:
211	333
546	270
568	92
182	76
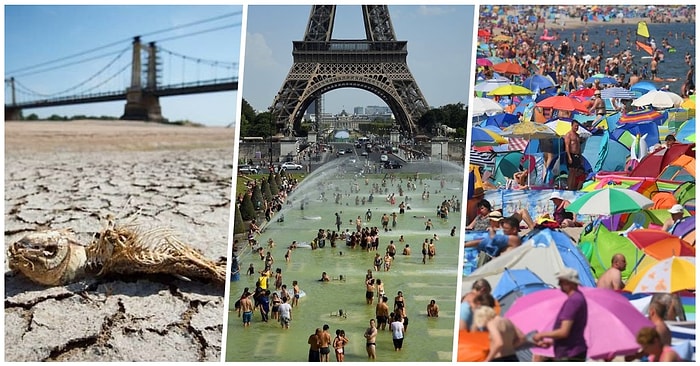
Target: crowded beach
581	186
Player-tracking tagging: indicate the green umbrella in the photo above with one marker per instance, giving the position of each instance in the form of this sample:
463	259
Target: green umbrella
609	201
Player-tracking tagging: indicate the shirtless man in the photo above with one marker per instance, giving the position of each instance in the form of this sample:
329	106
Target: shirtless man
387	262
612	278
433	310
504	336
574	159
315	346
407	250
369	293
297	293
382	312
246	309
325	344
371	337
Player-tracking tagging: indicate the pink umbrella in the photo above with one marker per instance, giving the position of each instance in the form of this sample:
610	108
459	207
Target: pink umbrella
483	62
613	322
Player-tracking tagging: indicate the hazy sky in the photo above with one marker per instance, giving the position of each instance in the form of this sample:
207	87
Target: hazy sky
439	51
40	34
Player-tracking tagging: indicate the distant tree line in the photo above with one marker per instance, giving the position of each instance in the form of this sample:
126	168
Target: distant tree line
78	117
452	115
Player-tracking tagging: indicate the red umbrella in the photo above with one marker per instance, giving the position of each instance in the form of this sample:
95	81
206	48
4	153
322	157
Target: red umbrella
563	103
483	33
509	68
660	244
586	93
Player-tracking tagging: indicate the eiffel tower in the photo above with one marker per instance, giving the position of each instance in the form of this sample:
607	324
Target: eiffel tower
376	64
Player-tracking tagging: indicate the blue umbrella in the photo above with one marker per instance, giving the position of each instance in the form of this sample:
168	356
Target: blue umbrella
685	130
643	87
538	82
501	120
618	92
604	80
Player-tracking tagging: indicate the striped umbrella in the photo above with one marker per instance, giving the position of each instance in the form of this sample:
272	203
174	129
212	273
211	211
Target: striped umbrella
618	93
642	115
609	202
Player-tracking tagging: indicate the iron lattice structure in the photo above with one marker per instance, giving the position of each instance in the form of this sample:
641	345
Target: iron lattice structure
376	64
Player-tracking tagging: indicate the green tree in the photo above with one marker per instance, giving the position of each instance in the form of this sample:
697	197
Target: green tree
274	188
257	197
431	120
238	224
247	208
267	194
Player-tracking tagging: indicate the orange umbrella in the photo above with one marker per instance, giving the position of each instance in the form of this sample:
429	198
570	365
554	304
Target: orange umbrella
660	244
473	346
563	103
509	68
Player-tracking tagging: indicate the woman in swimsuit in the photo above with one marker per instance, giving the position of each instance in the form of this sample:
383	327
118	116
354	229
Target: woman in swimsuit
339	345
650	340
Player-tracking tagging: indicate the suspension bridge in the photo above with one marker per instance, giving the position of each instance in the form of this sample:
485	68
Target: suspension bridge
140	78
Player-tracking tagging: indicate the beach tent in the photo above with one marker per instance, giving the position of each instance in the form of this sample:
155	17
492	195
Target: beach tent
663	200
516	283
599	244
605	154
680	170
685	194
544	252
653	164
506	165
650	129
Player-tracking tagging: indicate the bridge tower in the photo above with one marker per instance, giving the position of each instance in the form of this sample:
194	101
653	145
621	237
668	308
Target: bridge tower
376	64
12	112
142	103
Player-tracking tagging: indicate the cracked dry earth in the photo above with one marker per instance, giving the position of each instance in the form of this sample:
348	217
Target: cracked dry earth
73	174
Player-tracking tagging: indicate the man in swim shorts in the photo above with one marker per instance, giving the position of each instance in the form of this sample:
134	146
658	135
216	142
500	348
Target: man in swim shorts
371	337
325	343
246	309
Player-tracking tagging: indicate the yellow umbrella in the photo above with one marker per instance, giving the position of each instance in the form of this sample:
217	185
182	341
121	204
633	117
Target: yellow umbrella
668	276
688	104
502	38
510	89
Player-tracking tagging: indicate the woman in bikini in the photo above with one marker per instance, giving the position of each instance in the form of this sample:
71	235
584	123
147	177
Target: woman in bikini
339	345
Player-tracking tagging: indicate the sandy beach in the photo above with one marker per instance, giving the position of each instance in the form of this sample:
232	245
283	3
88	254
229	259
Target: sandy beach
72	175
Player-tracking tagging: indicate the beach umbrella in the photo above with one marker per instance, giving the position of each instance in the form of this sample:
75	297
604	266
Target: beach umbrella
502	38
666	276
489	85
643	87
483	33
611	329
485	106
495	59
609	202
562	126
658	99
660	244
688	104
642	116
538	82
563	103
685	229
617	92
501	120
585	92
485	137
530	130
510	89
509	68
482	61
601	79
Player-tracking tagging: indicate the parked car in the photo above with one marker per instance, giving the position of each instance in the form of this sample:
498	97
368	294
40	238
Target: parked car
247	169
384	158
364	153
292	166
392	165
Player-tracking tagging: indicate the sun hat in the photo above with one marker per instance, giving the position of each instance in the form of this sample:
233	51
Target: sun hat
495	215
568	274
556	195
676	209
